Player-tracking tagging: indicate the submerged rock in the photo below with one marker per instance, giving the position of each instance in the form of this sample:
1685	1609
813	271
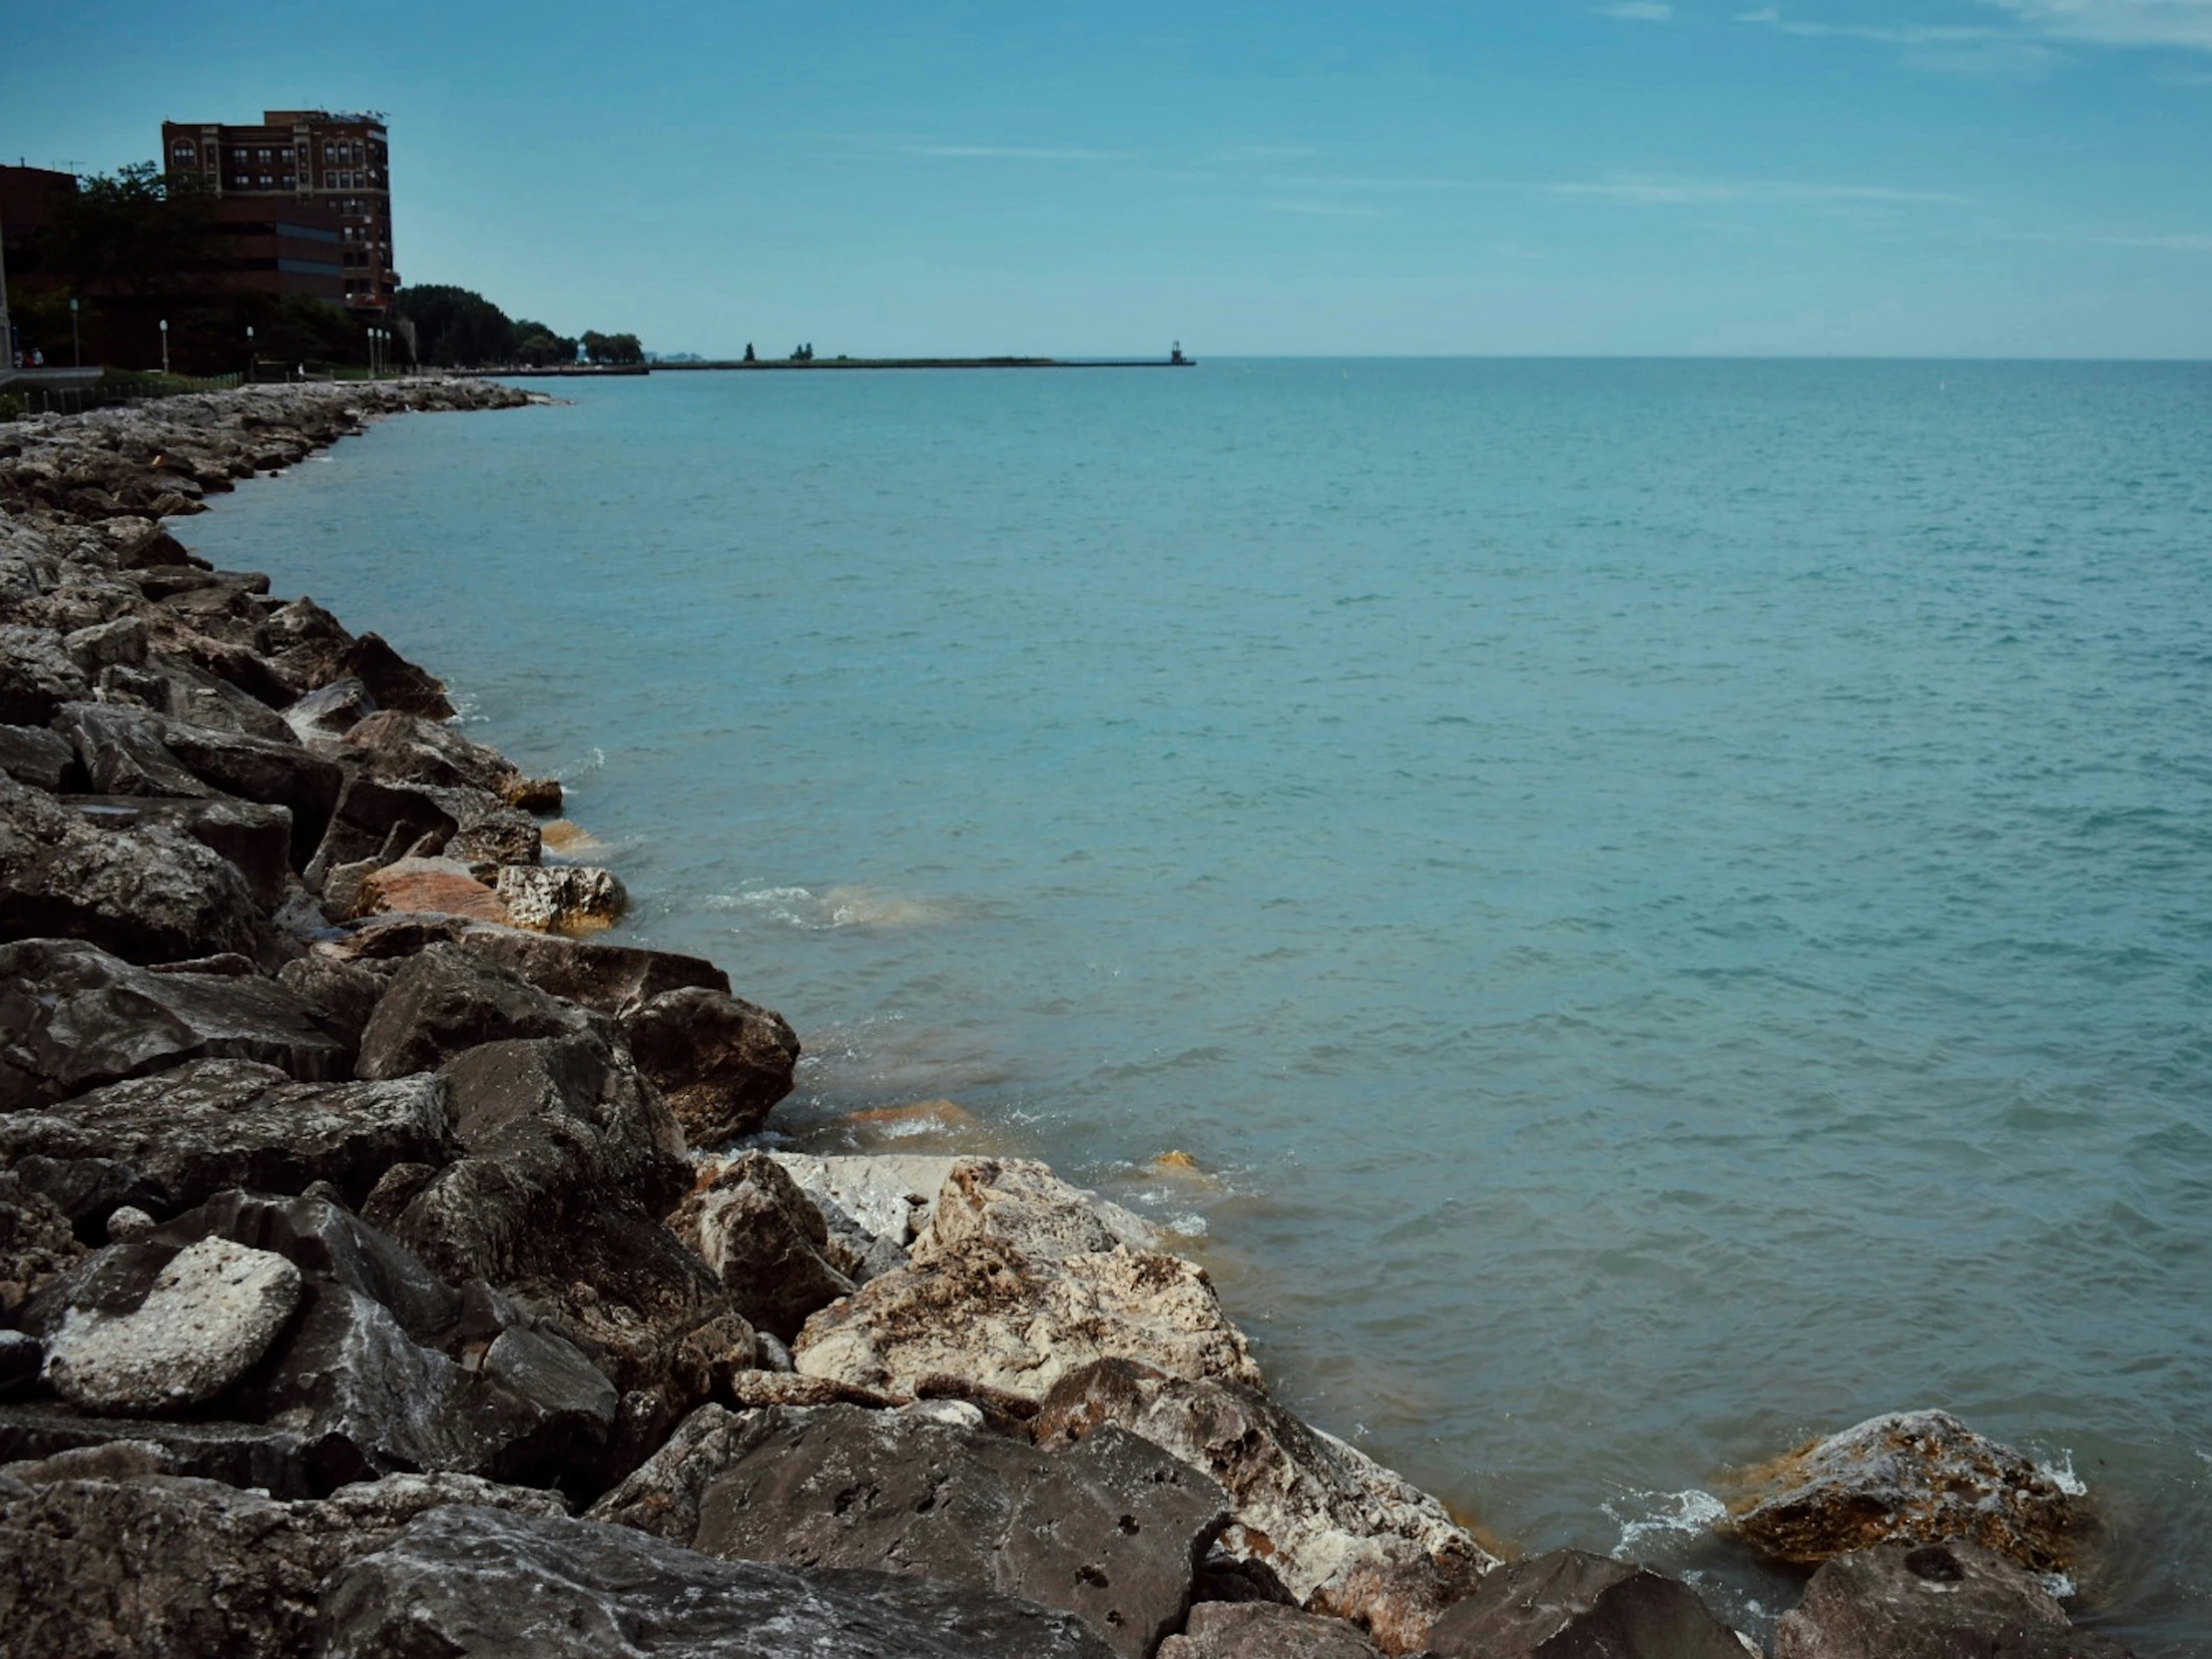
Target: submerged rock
1919	1477
209	1315
1343	1535
1570	1605
982	1312
1932	1601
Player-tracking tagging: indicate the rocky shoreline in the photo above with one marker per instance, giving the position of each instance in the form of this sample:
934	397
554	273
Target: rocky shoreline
371	1282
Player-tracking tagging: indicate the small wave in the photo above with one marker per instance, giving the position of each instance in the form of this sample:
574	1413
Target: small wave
1690	1513
840	907
2059	1471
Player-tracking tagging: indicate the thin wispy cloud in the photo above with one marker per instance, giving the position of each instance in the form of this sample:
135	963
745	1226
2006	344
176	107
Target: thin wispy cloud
1325	210
1011	152
2185	23
2185	242
1944	48
1638	190
1638	11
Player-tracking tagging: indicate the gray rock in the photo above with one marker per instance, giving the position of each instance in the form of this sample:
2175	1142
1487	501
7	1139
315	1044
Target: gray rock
446	1000
255	839
198	1128
723	1063
605	977
126	1221
148	895
277	773
36	675
37	1243
1257	1630
89	1191
888	1195
475	1581
511	1099
1930	1601
1342	1535
1570	1605
406	749
765	1241
1111	1531
328	1243
207	1319
395	683
77	1017
339	995
329	710
180	689
1920	1478
35	756
981	1312
380	823
155	1567
122	752
122	639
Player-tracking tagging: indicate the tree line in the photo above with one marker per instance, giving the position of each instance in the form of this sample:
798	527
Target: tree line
457	328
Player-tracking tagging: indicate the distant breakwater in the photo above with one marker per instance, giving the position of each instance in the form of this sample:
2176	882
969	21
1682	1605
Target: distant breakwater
354	1234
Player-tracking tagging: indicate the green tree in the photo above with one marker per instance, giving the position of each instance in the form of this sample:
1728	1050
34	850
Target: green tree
536	345
134	231
612	348
456	326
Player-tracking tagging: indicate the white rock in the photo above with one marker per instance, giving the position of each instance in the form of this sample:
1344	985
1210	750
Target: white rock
1024	1203
560	897
209	1318
890	1195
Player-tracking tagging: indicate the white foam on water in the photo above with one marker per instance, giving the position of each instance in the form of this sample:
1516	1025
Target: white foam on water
1689	1513
2059	1471
840	907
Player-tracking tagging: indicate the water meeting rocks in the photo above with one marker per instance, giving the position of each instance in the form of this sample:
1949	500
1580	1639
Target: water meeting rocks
723	1063
1930	1601
1022	1202
1343	1535
1921	1477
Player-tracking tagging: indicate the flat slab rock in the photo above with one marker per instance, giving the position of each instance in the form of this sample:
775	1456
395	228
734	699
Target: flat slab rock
195	1129
1920	1478
465	1580
1930	1601
1571	1605
1110	1530
982	1312
209	1318
1343	1535
77	1017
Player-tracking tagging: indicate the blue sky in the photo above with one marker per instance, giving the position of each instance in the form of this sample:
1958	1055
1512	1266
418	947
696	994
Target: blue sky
1908	177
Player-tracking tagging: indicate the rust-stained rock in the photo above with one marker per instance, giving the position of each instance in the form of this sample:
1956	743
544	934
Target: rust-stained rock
1920	1478
438	887
982	1311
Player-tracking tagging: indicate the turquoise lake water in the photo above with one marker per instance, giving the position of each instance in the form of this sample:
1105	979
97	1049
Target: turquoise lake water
1672	901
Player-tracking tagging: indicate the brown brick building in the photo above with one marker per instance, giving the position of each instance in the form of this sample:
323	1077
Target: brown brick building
296	177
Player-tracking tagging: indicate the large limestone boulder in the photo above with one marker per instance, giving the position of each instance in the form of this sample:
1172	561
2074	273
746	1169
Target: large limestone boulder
151	894
1930	1601
122	752
195	1129
1024	1203
1261	1631
77	1017
1920	1478
723	1063
207	1319
1570	1605
610	978
179	1568
561	898
888	1196
446	1000
475	1581
406	748
982	1313
257	839
1110	1530
37	675
1343	1535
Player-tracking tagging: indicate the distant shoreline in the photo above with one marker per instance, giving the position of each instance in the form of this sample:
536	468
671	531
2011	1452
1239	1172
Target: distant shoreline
786	364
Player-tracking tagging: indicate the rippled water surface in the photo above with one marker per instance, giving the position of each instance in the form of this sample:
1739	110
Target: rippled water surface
1671	903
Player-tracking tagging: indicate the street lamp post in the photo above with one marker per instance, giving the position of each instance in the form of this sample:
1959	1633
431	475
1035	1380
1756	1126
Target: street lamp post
165	345
249	352
76	351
